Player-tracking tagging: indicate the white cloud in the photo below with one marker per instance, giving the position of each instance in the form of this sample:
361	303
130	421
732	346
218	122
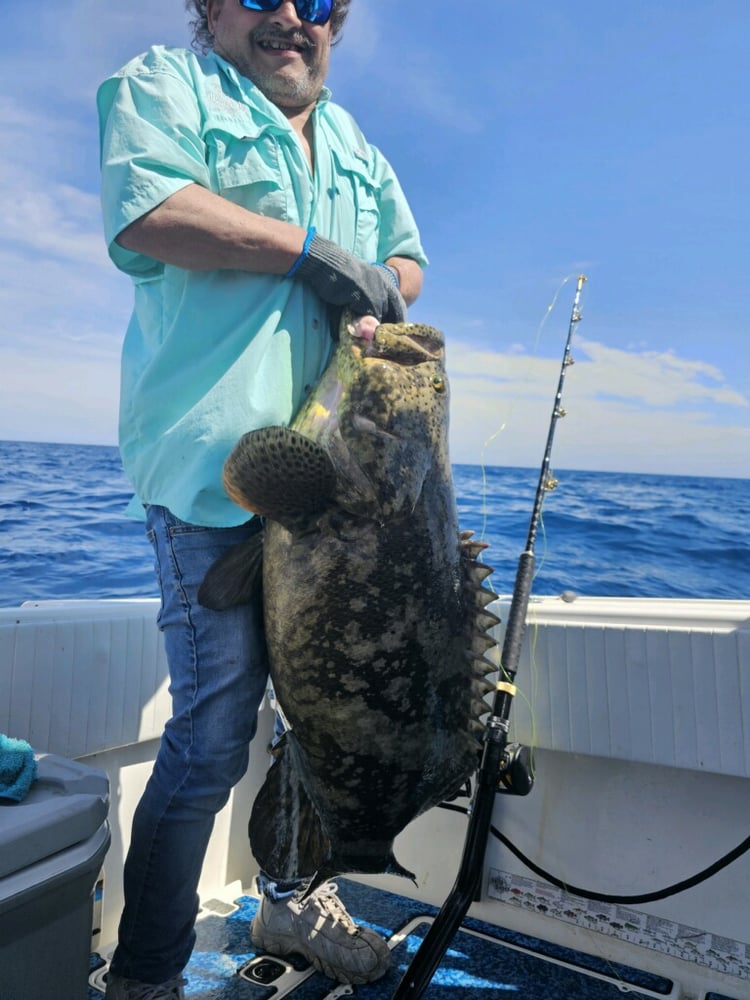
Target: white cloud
56	398
59	293
64	307
656	378
403	73
51	219
361	42
629	411
75	49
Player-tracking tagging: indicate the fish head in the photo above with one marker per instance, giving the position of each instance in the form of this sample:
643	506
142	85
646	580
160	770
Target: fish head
381	412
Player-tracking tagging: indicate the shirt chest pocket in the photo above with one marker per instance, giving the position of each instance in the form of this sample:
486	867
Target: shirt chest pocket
353	182
248	171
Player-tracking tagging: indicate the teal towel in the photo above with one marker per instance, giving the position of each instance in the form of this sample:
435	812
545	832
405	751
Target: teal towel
17	768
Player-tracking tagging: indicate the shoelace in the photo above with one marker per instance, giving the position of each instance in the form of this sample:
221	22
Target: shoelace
165	991
326	899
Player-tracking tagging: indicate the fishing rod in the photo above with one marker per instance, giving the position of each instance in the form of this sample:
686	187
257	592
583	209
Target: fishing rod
504	767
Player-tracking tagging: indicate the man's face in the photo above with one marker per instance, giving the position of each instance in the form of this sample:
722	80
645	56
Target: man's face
285	57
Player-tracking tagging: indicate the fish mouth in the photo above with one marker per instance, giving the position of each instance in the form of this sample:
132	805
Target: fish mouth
402	343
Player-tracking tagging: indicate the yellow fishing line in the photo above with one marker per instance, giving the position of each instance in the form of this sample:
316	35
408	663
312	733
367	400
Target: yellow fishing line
533	630
503	426
503	676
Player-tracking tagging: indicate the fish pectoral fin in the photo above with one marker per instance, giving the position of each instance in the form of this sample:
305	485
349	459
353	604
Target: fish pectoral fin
280	473
287	837
236	577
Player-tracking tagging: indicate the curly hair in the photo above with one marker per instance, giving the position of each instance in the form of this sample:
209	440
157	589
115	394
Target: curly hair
203	40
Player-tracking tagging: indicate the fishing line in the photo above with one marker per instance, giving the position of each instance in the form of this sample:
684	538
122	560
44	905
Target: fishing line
528	701
504	766
534	354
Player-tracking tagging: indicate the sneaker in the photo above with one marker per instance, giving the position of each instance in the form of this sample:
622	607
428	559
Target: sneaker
320	929
130	989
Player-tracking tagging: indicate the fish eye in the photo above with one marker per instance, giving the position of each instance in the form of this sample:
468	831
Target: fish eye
438	383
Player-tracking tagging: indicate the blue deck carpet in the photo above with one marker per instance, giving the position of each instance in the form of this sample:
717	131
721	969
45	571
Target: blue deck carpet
477	965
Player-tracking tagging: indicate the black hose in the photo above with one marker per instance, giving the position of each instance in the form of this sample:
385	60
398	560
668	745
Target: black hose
604	897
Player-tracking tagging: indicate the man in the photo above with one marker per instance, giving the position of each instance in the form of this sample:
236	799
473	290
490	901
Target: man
245	206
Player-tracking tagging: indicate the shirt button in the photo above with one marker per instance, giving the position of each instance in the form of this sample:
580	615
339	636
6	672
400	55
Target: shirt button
315	324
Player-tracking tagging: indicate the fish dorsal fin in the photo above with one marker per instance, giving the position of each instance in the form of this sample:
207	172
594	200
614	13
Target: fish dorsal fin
280	473
480	620
236	577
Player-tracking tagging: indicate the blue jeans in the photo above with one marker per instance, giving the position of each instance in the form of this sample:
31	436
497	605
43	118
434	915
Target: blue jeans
218	669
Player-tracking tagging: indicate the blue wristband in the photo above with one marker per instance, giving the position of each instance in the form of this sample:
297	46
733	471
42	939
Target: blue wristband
391	271
305	250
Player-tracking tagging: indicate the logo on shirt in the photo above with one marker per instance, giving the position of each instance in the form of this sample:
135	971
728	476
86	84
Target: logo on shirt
217	100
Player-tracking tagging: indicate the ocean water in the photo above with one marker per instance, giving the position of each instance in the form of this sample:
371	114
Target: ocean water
64	534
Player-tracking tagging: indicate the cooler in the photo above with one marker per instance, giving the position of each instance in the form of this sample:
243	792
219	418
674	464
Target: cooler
52	845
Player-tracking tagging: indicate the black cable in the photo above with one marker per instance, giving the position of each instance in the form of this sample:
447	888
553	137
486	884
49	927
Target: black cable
601	897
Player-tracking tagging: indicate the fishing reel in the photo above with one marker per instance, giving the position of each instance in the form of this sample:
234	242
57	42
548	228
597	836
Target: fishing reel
515	773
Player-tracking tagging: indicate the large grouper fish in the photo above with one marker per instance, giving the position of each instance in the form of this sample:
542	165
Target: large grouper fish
374	604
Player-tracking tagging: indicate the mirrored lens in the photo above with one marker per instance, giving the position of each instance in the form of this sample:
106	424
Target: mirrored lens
264	5
313	11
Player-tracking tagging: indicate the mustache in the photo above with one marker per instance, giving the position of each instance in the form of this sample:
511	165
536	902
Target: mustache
292	37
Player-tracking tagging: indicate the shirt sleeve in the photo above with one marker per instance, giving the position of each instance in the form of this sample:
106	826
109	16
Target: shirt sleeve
399	235
151	147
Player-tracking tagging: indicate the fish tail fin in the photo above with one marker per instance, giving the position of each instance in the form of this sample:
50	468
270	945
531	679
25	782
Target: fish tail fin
344	865
287	837
394	868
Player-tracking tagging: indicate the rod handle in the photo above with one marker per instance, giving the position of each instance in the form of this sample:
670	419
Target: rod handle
515	627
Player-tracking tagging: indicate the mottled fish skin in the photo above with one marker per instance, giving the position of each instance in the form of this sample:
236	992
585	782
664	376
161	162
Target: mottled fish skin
374	607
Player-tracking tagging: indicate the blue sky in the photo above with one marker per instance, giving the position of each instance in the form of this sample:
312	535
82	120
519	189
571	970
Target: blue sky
535	140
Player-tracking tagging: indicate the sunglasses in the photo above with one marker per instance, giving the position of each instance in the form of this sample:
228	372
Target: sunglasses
312	11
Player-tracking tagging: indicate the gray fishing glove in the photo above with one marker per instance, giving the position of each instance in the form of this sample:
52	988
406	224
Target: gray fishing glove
340	279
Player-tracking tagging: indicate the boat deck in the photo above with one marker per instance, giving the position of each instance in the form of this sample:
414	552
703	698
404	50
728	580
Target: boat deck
637	711
482	961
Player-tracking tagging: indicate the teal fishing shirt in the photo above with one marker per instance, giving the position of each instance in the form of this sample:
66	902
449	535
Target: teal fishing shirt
210	355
